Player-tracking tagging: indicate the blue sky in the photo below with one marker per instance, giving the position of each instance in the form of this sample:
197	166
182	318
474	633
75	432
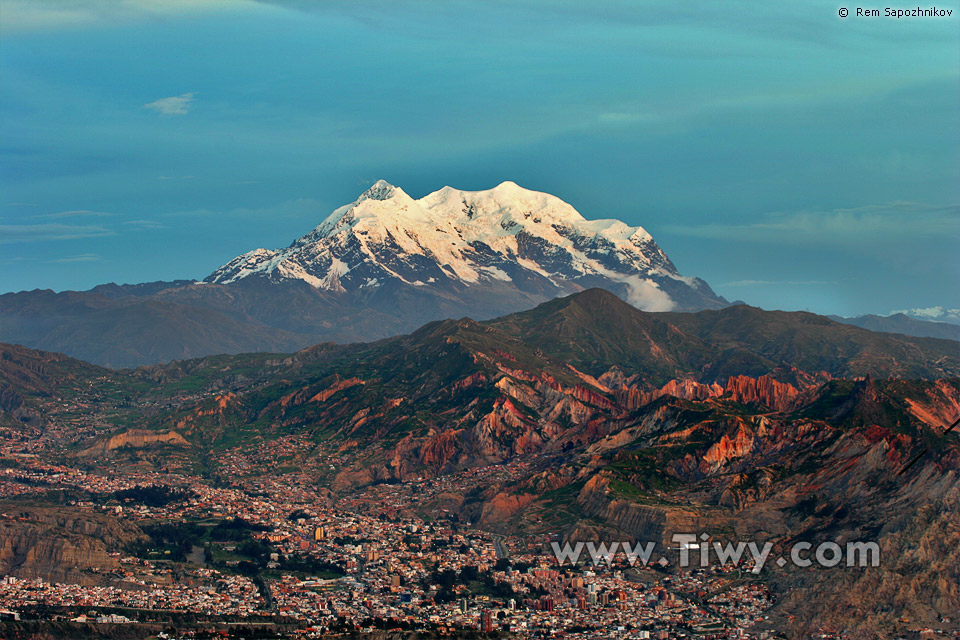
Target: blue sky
793	159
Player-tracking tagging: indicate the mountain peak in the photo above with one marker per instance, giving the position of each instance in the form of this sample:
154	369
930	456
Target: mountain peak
527	245
931	314
379	190
509	185
594	302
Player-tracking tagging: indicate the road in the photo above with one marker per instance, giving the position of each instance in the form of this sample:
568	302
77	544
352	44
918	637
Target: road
499	548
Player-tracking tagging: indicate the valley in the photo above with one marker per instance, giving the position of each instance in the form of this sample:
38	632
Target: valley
362	469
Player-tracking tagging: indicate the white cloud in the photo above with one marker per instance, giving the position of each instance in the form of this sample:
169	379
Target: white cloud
10	233
646	295
306	208
892	221
83	257
75	213
765	283
172	106
145	224
32	15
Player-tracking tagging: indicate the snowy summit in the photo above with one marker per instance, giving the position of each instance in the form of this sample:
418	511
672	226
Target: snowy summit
504	239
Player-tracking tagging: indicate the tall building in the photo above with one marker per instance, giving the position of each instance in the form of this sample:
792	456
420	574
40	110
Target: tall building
486	621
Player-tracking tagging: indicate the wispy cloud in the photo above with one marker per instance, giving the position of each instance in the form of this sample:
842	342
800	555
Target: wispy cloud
83	257
11	233
172	106
870	223
31	15
302	207
767	283
76	213
144	224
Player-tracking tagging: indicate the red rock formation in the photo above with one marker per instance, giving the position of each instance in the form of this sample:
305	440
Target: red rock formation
136	438
566	406
471	380
729	448
633	398
763	390
588	395
392	403
220	405
340	385
520	392
504	506
440	449
941	406
505	431
297	397
590	380
61	544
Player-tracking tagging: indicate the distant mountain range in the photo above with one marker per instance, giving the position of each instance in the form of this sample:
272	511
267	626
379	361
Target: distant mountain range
932	314
905	324
380	266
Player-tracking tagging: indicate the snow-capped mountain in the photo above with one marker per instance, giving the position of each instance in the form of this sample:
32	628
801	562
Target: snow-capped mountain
932	314
508	242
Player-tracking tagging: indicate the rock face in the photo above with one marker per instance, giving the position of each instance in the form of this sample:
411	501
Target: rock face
135	438
59	545
730	447
939	405
504	506
762	390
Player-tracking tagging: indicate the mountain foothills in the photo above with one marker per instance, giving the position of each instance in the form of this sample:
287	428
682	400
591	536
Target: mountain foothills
378	267
607	422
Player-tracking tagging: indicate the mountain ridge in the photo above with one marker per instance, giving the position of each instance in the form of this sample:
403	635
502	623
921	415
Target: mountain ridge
905	324
767	339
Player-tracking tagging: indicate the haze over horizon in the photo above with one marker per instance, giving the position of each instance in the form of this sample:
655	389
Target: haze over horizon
791	158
